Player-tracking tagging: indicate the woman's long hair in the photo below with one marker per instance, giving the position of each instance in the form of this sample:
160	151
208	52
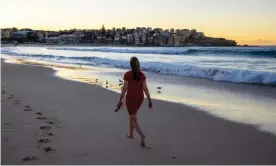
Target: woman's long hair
135	67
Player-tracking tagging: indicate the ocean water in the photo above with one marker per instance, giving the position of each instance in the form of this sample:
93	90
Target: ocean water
225	91
231	64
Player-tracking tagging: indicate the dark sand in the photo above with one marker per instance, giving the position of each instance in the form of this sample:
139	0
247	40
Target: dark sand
86	130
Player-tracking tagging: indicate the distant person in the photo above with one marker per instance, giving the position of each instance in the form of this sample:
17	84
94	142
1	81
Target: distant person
15	43
135	84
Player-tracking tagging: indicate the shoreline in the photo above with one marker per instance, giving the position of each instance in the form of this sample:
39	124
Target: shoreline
210	74
233	92
86	127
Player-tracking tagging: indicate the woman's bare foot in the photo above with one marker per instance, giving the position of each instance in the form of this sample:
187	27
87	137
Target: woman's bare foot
130	136
143	143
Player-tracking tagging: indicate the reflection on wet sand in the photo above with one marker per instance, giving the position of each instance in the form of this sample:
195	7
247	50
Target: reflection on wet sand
214	98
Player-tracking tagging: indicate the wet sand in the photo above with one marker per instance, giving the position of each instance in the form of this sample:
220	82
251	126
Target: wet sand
56	121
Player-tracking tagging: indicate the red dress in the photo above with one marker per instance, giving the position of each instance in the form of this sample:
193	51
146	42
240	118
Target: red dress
135	94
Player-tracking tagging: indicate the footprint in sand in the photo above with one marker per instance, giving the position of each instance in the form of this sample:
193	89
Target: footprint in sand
48	149
50	122
50	134
30	158
41	118
16	102
39	113
45	127
28	108
47	133
44	140
11	97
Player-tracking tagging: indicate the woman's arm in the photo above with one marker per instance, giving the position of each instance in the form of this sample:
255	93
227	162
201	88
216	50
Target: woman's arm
124	89
146	90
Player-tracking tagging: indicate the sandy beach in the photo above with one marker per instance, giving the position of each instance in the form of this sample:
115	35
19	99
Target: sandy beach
77	121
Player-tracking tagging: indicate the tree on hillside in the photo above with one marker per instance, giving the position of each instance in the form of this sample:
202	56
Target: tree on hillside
103	30
31	36
14	29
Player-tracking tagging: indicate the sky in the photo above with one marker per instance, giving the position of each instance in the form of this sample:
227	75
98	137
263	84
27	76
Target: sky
246	21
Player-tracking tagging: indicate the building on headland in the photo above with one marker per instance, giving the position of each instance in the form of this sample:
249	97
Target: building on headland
177	31
180	37
171	41
129	38
78	34
150	40
160	40
172	31
144	38
123	40
65	38
22	33
185	32
140	36
149	29
70	38
200	35
136	38
52	40
193	33
179	40
40	36
6	33
117	38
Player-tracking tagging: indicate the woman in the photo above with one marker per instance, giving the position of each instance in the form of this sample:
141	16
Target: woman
134	85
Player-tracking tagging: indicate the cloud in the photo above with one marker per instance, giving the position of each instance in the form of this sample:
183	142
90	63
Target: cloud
258	41
263	41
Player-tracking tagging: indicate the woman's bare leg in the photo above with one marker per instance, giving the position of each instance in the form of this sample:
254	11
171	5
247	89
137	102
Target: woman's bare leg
131	128
137	127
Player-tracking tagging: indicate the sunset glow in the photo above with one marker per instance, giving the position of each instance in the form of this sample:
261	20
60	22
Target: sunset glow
246	21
